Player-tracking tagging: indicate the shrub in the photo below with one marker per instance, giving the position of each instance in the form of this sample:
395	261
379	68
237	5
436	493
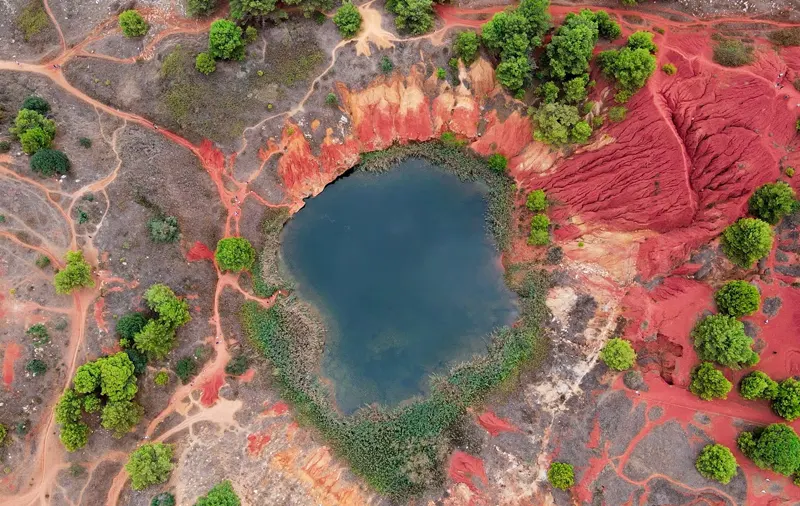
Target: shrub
205	63
607	27
117	380
466	46
235	254
642	40
348	20
555	124
35	139
581	132
133	24
716	462
669	69
737	298
708	383
130	324
772	201
497	162
87	378
85	142
617	113
185	368
76	274
441	73
161	378
514	72
331	99
787	400
171	310
732	53
221	495
32	19
49	162
156	339
68	407
413	16
38	334
575	89
250	34
561	475
36	367
618	354
38	104
747	241
74	436
785	36
757	385
774	447
540	230
164	229
506	35
721	339
225	41
571	46
536	13
200	7
631	68
237	365
121	417
3	433
5	146
34	131
537	201
92	403
163	499
548	91
789	171
386	64
149	464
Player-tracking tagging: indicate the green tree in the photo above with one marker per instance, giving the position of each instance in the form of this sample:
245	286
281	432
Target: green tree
37	104
757	385
246	9
205	63
618	354
514	72
156	339
68	407
150	464
506	35
35	139
413	16
540	230
617	113
716	462
721	339
225	41
631	68
561	475
3	433
38	334
185	368
87	378
737	298
235	254
222	494
772	201
237	365
348	20
497	162
555	124
129	325
121	417
747	241
76	274
386	64
537	14
117	381
34	131
133	24
161	378
74	436
466	46
537	201
163	499
92	403
709	383
172	311
581	132
606	27
549	92
200	7
642	40
775	447
733	53
164	229
575	89
571	47
49	162
787	400
36	367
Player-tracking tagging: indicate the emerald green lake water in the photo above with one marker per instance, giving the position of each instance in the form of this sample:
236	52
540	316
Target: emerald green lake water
405	274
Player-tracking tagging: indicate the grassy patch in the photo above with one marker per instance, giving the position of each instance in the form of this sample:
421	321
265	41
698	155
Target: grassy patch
32	20
291	62
733	53
402	451
786	36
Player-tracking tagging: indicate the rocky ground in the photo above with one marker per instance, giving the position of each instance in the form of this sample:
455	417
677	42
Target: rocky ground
637	216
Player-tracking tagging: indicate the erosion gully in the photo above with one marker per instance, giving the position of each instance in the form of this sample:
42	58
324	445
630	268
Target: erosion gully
49	457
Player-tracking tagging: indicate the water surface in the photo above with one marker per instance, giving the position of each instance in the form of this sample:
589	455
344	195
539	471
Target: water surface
405	274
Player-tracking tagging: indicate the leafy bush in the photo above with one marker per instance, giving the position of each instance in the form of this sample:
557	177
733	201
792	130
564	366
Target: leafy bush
74	436
163	499
87	378
466	46
348	20
721	339
497	162
76	274
571	46
642	40
787	400
5	146
575	89
200	7
235	254
36	367
785	36
205	63
171	310
38	104
506	35
34	139
774	447
549	92
441	73
331	99
733	53
581	132
772	201
237	365
156	339
757	385
250	35
49	162
716	462
133	24
747	241
413	16
92	403
607	27
85	142
737	298
3	433
149	464
185	368
68	407
42	261
617	113
225	41
708	383
631	68
130	324
540	230
386	64
537	14
164	229
561	475
669	69
618	354
117	380
32	19
222	494
513	72
556	124
38	334
121	417
161	378
537	201
34	131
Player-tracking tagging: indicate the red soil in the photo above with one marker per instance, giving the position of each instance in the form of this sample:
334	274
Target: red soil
465	468
199	251
277	409
99	306
256	442
248	376
13	352
211	388
495	425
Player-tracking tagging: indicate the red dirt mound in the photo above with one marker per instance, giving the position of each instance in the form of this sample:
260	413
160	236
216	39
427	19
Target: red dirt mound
199	251
495	425
12	354
465	468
